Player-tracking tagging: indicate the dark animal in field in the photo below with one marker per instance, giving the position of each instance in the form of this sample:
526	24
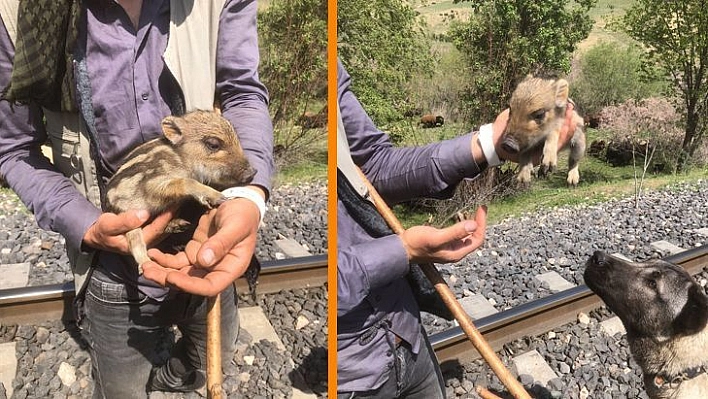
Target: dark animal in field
597	148
198	156
536	114
665	314
430	120
311	120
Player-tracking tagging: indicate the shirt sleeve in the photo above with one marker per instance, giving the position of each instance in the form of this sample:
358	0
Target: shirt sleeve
364	267
401	174
244	99
50	196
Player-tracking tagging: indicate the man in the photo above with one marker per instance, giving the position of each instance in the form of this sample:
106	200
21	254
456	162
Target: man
382	349
130	64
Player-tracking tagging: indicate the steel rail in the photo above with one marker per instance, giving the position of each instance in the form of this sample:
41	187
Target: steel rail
30	305
539	316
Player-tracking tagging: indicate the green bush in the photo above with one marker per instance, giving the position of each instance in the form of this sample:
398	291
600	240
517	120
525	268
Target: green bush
382	44
611	73
504	40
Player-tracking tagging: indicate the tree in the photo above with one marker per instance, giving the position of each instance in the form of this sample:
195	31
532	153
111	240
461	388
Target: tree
609	73
381	44
675	34
293	45
505	40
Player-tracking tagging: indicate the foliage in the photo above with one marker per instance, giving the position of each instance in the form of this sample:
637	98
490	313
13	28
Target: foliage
439	93
293	45
675	34
381	44
610	73
653	121
505	40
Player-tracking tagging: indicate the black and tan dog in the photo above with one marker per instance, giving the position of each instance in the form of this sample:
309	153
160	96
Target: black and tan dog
665	313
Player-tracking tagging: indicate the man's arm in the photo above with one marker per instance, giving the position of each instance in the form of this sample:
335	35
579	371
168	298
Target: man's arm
400	174
244	99
56	204
367	266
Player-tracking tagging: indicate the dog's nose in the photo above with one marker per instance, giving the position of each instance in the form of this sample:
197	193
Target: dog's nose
599	258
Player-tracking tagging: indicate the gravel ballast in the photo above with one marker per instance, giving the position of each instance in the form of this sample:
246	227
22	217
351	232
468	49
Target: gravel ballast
52	361
588	363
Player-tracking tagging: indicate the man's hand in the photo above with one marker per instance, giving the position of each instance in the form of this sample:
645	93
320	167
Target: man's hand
499	125
218	253
108	233
425	244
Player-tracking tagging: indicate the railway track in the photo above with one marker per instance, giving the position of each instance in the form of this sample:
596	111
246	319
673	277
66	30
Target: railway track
539	316
30	305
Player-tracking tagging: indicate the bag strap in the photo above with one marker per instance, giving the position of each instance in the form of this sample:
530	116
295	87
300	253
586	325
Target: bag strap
345	164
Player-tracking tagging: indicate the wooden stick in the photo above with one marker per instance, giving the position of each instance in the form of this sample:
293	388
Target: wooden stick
214	376
448	297
485	393
213	348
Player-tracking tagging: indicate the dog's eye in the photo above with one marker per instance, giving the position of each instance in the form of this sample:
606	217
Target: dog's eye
651	283
539	115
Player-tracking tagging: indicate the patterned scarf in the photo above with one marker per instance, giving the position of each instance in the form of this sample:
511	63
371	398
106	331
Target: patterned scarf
43	69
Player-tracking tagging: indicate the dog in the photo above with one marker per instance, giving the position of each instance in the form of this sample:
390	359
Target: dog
665	313
536	114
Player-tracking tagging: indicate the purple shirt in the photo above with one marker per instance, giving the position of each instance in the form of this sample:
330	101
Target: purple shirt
370	271
124	67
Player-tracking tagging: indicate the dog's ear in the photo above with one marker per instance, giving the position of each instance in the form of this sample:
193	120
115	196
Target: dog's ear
694	315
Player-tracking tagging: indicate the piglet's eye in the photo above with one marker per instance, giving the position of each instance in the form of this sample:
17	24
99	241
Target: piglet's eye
539	115
212	143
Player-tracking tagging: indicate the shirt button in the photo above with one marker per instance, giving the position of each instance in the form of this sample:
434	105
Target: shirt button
388	352
145	96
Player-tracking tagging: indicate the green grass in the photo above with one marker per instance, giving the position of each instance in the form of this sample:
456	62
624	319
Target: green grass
306	161
603	13
309	170
543	195
599	182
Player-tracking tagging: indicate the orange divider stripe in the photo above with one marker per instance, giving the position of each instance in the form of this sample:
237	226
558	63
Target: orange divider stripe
332	197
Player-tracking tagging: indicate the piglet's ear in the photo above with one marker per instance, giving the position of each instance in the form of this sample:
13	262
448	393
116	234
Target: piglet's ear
694	315
172	129
561	93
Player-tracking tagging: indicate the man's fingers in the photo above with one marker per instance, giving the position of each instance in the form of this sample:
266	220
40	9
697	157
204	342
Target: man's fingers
123	222
198	282
457	232
154	272
157	226
480	218
219	244
176	261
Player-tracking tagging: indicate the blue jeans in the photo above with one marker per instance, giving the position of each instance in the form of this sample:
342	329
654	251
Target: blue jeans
125	331
418	377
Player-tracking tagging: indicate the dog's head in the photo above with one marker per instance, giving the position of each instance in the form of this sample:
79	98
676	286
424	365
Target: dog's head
656	299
